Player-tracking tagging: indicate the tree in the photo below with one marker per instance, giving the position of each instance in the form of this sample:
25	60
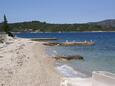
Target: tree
5	25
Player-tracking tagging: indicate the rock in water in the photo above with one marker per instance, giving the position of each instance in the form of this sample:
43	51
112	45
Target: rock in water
75	57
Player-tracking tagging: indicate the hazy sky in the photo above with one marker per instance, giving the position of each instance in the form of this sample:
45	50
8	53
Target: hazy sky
57	11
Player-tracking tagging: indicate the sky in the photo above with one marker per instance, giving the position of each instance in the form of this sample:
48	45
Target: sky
57	11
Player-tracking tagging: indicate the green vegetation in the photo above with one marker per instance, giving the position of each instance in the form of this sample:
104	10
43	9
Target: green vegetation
5	25
47	27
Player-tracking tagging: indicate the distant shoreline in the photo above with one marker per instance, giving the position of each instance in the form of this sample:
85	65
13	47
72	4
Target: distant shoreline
64	32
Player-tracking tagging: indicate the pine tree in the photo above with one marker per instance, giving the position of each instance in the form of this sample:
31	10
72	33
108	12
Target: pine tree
5	25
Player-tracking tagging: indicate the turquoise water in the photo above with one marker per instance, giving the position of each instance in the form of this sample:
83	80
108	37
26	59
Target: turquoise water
100	57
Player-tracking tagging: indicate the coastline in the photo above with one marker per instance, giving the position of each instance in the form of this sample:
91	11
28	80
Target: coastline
25	63
63	32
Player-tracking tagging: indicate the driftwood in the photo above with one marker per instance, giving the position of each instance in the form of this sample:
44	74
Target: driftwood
76	57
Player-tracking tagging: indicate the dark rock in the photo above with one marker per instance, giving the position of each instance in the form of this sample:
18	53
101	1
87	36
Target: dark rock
1	41
11	34
76	57
1	56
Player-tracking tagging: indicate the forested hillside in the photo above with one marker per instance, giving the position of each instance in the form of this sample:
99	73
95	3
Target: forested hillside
47	27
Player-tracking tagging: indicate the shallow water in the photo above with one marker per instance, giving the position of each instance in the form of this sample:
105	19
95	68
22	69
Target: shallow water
99	57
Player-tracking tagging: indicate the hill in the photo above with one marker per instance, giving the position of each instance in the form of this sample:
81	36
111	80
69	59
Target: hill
106	25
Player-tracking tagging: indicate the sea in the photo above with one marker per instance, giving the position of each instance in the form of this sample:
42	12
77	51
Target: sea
100	57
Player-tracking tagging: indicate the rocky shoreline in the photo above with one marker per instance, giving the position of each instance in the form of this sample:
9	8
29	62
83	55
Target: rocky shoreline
24	63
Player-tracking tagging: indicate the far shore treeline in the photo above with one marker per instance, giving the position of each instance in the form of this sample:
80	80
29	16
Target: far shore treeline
32	26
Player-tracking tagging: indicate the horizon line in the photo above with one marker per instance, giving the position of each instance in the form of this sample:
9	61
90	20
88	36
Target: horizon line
61	23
